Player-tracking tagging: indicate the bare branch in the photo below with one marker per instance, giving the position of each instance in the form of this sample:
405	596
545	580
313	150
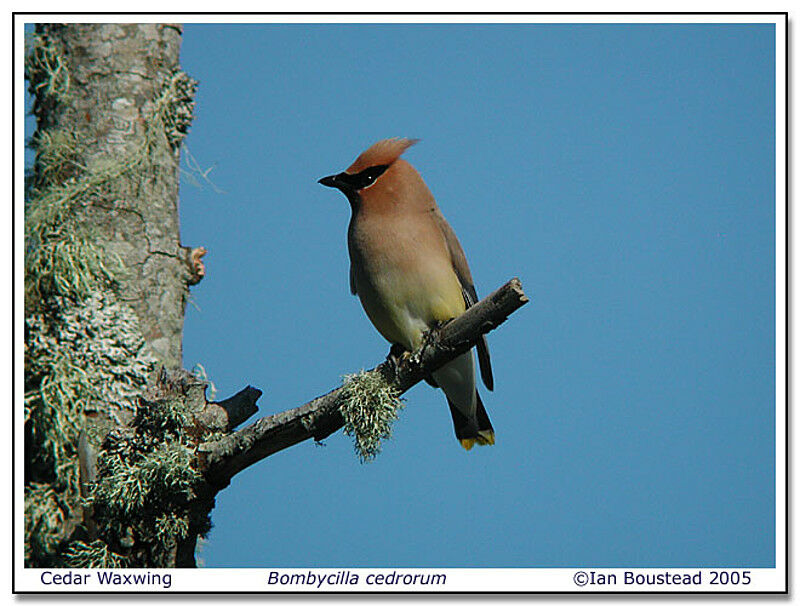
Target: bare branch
320	417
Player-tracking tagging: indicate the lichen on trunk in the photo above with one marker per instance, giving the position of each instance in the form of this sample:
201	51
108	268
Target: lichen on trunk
106	278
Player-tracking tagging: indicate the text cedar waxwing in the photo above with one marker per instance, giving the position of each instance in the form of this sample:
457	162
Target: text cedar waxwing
410	273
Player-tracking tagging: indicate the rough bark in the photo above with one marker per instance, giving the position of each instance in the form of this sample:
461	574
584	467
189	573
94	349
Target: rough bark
116	73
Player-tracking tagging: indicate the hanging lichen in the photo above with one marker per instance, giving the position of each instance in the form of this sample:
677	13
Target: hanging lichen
369	408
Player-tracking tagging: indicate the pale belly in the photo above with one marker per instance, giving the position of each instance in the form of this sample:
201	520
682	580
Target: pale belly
402	303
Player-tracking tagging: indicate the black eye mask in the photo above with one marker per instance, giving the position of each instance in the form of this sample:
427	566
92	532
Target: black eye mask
363	179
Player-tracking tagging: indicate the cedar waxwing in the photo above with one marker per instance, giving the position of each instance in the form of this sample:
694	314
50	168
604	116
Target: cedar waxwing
410	273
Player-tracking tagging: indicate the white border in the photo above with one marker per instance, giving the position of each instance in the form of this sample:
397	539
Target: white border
781	276
460	579
472	580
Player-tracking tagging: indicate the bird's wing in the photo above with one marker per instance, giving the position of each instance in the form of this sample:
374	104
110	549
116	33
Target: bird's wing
352	279
461	268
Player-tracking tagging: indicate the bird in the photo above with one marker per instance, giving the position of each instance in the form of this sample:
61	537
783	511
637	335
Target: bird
410	273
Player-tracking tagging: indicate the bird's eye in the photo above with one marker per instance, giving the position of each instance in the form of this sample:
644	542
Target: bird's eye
365	178
370	175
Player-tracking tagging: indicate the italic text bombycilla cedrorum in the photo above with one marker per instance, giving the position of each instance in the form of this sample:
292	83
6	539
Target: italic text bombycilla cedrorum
410	273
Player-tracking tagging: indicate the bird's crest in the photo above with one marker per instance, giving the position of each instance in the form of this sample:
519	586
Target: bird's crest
381	153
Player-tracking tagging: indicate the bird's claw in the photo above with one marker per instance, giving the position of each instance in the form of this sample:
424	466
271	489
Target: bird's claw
396	354
429	339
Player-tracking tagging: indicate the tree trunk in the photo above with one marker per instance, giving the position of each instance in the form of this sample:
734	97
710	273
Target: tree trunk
120	77
106	275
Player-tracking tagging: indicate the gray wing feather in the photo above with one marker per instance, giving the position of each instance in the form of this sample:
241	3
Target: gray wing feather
461	268
482	346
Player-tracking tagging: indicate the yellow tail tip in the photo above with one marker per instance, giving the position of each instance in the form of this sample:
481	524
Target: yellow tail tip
484	438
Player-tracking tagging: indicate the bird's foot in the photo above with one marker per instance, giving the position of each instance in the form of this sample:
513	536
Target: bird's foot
429	339
397	353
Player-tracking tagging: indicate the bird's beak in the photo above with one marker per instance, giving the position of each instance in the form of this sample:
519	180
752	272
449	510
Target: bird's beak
330	181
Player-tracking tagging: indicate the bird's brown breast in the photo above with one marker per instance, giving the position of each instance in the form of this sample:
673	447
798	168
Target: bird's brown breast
403	274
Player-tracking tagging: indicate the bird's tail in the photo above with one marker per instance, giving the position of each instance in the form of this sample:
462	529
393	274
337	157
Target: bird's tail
477	430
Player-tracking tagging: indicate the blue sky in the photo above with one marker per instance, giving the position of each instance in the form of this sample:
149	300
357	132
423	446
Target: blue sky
624	172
